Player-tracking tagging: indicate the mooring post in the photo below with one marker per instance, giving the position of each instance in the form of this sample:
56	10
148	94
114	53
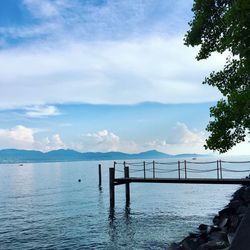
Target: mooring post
112	187
185	167
179	170
218	174
144	169
127	188
153	169
100	175
220	170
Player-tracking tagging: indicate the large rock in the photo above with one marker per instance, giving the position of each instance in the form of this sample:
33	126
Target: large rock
220	221
235	204
190	243
212	245
174	246
246	195
218	236
238	194
233	222
221	234
241	210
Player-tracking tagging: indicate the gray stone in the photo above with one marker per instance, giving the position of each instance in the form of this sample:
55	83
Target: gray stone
238	194
218	236
212	245
220	220
223	222
235	204
216	220
230	237
234	221
203	227
190	243
173	246
242	209
227	211
246	195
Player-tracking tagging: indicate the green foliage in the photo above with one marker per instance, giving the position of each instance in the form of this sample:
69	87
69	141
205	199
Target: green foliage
224	26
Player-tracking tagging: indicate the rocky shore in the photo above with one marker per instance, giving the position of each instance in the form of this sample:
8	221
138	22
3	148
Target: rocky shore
220	234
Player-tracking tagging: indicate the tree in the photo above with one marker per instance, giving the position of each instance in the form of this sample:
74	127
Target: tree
224	26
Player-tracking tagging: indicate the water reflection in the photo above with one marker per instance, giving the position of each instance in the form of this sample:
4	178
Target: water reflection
122	230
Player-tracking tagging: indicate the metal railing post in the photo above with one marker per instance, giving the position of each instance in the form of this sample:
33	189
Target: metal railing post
144	169
179	170
218	173
185	167
153	169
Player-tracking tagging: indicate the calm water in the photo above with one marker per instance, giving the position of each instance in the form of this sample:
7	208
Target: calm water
43	206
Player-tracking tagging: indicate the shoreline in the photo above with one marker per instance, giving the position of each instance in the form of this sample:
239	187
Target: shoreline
223	230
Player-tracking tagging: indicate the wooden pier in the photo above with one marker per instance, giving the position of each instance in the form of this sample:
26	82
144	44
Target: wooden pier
181	174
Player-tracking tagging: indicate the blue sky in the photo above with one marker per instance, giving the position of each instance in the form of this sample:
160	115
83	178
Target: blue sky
102	75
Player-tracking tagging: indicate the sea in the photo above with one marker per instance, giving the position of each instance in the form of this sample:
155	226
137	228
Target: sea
61	206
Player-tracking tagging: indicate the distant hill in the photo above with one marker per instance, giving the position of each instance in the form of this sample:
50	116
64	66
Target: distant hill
20	156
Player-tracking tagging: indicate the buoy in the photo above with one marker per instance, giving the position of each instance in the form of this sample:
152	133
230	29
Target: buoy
79	180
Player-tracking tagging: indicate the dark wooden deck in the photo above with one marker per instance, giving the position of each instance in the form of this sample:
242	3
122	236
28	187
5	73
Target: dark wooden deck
243	181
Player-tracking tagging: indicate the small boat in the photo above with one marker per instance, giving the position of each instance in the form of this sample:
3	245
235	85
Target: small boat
194	158
20	165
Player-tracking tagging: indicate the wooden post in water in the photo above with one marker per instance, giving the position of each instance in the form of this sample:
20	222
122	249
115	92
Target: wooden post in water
114	165
153	169
112	187
144	169
185	167
179	170
220	170
100	175
127	188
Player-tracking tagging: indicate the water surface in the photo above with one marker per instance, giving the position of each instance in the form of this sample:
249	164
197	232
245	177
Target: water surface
43	206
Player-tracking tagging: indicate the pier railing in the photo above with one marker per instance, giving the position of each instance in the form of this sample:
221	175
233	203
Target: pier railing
182	172
180	169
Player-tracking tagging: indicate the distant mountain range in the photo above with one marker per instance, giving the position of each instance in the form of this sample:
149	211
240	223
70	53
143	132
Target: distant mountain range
21	156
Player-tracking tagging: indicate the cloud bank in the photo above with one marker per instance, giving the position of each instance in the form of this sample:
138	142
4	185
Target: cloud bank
153	69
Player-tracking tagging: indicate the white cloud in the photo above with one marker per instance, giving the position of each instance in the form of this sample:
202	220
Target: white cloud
156	144
53	143
153	69
105	141
19	137
181	134
116	19
43	9
42	111
180	139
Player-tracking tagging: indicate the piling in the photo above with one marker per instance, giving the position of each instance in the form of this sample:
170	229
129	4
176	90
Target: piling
100	175
127	187
112	187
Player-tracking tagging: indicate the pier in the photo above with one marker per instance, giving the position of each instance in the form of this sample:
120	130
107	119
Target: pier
180	172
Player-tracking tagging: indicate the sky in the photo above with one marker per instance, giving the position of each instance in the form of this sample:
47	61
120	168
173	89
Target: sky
103	75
